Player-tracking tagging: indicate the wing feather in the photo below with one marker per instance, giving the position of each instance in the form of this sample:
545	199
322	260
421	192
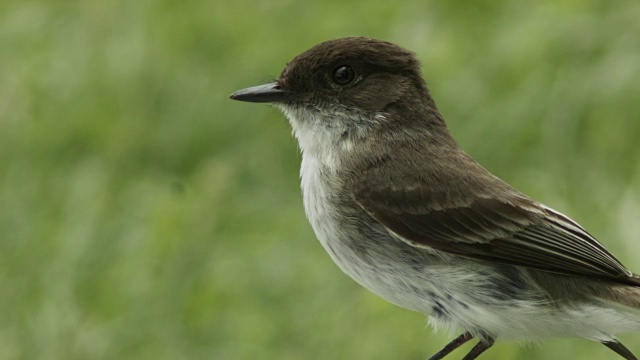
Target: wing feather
519	232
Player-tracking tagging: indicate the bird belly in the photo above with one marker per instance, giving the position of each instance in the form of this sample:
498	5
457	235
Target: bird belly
462	295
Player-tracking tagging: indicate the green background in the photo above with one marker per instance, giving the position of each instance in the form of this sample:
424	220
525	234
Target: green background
143	215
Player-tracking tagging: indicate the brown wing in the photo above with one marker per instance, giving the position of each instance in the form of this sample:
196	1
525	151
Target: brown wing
515	231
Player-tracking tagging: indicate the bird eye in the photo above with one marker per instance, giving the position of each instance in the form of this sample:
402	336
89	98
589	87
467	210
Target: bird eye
343	75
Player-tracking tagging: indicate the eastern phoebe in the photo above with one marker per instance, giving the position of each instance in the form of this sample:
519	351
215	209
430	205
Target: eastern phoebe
407	214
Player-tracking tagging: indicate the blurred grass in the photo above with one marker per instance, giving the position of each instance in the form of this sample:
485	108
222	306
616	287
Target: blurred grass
143	215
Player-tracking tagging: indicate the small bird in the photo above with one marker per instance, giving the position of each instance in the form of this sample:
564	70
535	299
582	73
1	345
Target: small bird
407	214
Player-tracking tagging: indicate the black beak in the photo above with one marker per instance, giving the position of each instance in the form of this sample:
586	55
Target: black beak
272	92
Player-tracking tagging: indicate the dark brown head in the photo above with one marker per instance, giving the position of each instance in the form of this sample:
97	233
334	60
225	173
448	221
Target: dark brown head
355	71
341	89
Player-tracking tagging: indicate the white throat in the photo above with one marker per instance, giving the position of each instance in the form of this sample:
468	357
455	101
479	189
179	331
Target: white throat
328	138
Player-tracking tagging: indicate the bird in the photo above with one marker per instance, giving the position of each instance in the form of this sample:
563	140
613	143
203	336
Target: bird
406	213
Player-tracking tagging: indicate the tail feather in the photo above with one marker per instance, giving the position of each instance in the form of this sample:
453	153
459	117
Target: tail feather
620	349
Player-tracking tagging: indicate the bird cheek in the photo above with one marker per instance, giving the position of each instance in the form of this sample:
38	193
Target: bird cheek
376	93
374	100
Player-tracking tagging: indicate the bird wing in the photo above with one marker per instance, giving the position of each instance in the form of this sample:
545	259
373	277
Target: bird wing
516	231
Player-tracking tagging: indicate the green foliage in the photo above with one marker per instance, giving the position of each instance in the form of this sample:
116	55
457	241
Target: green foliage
143	215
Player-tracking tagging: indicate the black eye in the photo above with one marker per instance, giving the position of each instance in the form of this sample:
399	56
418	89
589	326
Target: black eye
344	74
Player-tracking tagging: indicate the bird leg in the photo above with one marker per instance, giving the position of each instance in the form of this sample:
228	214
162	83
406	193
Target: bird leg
479	348
454	344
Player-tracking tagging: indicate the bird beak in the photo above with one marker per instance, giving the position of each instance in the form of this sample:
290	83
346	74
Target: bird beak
272	92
